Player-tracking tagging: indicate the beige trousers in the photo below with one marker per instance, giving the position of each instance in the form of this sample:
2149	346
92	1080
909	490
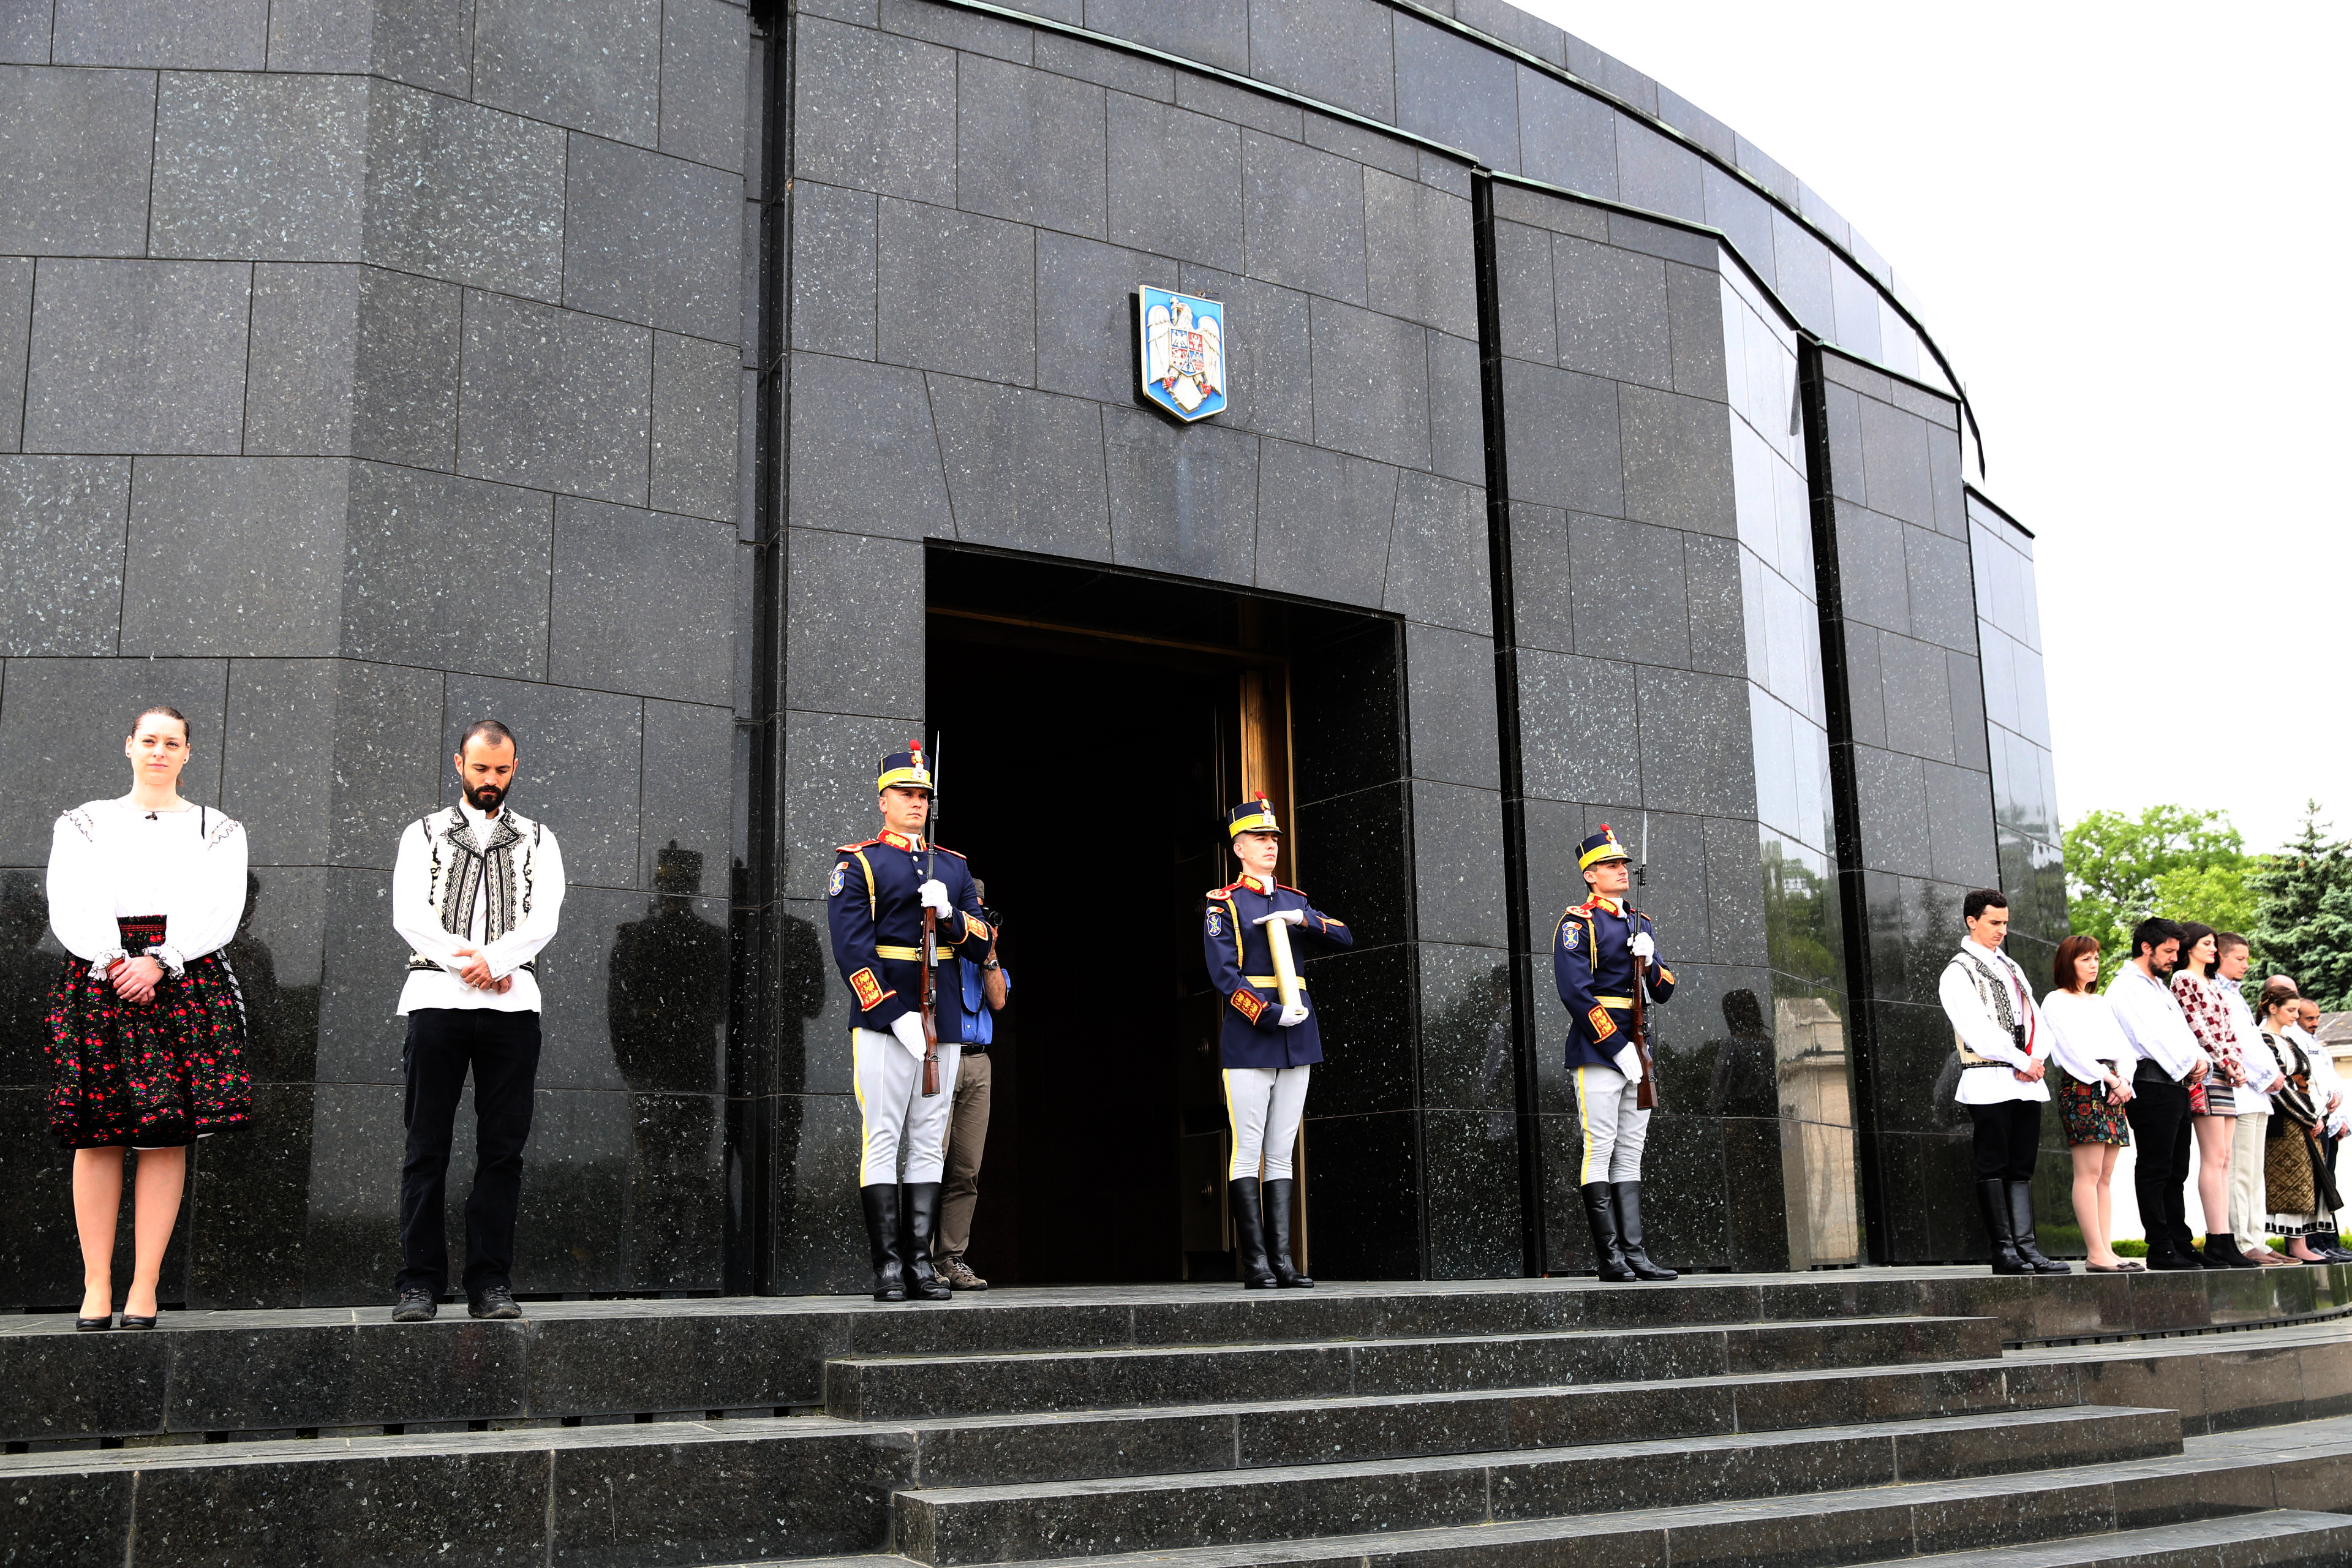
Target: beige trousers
967	1141
2246	1195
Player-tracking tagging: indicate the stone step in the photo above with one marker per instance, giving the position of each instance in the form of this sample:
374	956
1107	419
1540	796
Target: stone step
313	1369
946	1527
876	1388
2270	1482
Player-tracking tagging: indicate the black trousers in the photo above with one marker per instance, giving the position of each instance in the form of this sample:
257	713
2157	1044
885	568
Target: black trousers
2009	1135
2159	1113
502	1051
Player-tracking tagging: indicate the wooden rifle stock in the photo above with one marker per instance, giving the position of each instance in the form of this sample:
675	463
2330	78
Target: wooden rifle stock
1646	1096
930	1003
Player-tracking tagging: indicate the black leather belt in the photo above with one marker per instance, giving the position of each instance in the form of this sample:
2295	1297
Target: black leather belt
2152	1073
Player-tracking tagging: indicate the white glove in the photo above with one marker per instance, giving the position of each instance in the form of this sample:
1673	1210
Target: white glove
909	1028
1293	1016
1287	917
934	894
1644	946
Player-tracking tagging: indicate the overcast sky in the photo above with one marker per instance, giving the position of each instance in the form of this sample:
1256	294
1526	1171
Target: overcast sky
2122	225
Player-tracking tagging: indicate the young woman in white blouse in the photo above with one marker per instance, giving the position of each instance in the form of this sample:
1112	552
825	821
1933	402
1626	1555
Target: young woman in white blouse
146	1027
2088	1044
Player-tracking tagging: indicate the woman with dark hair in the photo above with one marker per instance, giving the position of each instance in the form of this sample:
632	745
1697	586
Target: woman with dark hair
2212	1105
2296	1180
146	1027
2087	1043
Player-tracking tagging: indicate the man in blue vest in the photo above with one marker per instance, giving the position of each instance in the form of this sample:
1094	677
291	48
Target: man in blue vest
875	904
1596	951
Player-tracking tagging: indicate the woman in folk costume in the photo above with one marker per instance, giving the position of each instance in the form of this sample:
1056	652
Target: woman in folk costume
146	1025
1267	1045
2299	1186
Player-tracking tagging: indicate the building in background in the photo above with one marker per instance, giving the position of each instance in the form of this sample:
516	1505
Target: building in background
722	395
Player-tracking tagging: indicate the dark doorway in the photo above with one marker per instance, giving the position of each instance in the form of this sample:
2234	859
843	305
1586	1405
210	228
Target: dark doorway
1094	728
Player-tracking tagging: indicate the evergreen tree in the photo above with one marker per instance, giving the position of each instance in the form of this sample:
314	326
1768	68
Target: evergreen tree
2302	920
2169	860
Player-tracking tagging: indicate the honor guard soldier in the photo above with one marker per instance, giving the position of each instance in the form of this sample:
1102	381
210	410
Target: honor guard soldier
875	905
1269	1041
1595	954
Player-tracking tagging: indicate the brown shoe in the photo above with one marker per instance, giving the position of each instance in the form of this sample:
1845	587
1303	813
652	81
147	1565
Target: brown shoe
958	1276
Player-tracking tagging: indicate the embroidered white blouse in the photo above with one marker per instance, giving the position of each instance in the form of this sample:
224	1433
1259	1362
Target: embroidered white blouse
2088	1042
109	859
417	918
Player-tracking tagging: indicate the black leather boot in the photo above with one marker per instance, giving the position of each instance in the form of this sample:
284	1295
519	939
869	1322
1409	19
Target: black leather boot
2222	1252
1628	1195
1992	1203
1275	1202
1249	1235
2021	1232
882	1236
1601	1216
919	1203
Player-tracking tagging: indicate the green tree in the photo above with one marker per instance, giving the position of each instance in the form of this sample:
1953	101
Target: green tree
2169	860
2302	920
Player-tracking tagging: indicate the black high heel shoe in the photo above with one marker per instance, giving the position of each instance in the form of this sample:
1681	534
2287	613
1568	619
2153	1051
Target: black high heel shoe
131	1322
95	1325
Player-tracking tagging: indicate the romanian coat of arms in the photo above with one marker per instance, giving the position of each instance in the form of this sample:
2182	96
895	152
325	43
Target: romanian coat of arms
1184	352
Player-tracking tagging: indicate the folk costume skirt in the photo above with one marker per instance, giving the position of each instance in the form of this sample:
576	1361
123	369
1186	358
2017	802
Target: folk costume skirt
158	1076
2298	1188
2087	1115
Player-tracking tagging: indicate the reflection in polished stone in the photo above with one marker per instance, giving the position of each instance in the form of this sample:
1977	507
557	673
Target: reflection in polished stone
27	967
1817	1155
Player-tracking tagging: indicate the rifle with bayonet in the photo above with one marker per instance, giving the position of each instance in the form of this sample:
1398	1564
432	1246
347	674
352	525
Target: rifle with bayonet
932	939
1646	1096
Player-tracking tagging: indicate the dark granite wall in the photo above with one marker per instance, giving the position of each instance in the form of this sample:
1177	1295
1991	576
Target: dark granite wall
366	366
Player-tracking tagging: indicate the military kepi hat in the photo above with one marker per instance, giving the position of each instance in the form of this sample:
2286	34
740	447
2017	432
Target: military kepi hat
1601	846
1252	816
905	770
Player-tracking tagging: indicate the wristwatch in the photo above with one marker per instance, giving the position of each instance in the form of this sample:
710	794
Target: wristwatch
990	963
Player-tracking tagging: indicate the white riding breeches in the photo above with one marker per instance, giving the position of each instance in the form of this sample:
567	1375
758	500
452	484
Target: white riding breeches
1615	1128
889	1083
1264	1105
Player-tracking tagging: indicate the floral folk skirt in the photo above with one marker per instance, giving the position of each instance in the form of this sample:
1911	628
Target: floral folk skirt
2087	1115
158	1076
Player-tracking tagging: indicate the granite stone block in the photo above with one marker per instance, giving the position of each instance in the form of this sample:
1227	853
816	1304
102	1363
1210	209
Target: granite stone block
1183	499
554	399
268	167
1564	435
1523	289
1872	573
1336	51
705	73
60	742
1269	364
1711	573
1571	714
61	536
70	1518
299	361
864	459
25	32
237	556
1892	792
592	65
1942	589
876	112
381	724
1457	864
1801	272
1744	216
205	35
688	801
1025	470
832	578
971	32
1065	56
1239	106
401	606
137	356
1324	523
1630	597
1658	175
76	149
1031	147
292	1512
580	761
1454	90
1556	214
1702	762
1542	588
1362	144
15	342
634	608
1694	324
1450	686
1895	462
695	403
1303	215
1437	555
464	194
1419	264
957	291
1371	383
1677	456
1611	309
405	376
653	239
1086	340
1855	305
1457	413
1213	32
1959	824
1567	137
833	269
1175	184
829	795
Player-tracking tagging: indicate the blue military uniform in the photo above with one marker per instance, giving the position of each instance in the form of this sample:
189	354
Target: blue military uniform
1266	1050
1241	966
874	906
1594	965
